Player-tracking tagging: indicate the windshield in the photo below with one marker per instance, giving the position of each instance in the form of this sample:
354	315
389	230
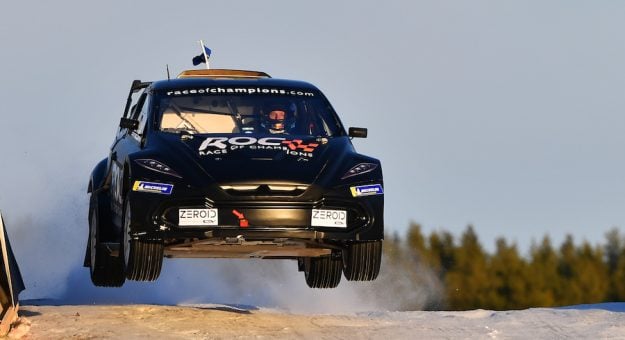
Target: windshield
281	111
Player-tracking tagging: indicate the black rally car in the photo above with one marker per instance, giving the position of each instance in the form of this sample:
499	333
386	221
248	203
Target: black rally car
234	164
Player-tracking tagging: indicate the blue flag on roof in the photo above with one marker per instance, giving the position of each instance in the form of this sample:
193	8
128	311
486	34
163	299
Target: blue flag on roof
199	59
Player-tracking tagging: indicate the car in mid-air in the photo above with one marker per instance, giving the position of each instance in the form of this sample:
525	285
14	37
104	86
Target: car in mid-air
234	164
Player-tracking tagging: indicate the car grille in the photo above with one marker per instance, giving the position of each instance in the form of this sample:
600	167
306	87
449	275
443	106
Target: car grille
242	190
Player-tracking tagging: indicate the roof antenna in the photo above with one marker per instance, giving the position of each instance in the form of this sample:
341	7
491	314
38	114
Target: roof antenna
167	67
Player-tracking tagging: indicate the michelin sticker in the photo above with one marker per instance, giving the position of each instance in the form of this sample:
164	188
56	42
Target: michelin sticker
367	190
157	188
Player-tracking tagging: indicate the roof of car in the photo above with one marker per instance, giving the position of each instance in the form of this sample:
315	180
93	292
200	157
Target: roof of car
222	73
221	77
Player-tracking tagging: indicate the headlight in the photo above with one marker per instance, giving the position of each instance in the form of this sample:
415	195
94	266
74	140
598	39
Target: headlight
157	166
360	169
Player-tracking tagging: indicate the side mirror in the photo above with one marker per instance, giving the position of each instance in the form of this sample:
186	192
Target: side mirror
356	132
127	123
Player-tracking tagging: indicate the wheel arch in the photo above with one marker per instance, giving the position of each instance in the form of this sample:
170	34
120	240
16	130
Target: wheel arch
98	176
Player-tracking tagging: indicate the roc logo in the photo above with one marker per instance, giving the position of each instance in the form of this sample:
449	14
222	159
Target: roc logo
298	144
157	188
367	190
224	145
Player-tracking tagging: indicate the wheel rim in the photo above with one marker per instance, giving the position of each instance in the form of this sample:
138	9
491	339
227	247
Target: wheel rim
93	241
126	232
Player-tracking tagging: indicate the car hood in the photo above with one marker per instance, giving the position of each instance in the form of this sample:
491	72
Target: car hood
245	158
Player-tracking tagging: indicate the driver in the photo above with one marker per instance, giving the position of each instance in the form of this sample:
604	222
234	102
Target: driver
278	118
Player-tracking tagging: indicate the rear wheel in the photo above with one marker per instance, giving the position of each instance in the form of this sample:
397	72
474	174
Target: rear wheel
322	272
362	260
106	270
143	258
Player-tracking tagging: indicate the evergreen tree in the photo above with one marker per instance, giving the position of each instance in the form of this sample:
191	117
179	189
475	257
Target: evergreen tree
613	248
442	249
614	252
508	278
392	248
473	278
591	274
467	280
569	292
618	279
543	278
416	244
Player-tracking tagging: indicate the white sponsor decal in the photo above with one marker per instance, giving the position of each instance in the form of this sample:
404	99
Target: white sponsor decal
221	145
197	217
117	179
220	142
241	90
329	218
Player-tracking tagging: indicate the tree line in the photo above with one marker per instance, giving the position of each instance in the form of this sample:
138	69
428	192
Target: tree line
468	277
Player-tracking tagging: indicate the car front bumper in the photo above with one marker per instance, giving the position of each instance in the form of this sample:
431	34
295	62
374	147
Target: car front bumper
266	218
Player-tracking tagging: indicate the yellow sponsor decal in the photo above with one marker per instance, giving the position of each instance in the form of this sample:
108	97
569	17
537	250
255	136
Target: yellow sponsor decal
354	192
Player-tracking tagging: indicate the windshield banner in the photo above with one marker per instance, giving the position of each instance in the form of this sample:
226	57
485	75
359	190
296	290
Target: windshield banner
241	90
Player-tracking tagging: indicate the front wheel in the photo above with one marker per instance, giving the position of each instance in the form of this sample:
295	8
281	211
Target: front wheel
362	260
143	258
322	272
106	270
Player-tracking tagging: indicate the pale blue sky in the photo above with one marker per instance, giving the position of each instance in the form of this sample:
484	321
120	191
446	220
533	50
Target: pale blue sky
506	115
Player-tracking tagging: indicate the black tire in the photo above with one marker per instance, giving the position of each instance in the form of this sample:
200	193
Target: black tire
106	270
322	272
143	259
362	260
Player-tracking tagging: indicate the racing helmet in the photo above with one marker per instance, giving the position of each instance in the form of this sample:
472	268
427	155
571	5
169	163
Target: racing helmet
278	117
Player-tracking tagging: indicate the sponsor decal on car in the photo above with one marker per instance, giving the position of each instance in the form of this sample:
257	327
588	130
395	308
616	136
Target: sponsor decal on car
243	222
329	218
298	144
221	145
241	90
197	217
117	180
367	190
157	188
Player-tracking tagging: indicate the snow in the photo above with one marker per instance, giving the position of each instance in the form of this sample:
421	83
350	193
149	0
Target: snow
229	321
